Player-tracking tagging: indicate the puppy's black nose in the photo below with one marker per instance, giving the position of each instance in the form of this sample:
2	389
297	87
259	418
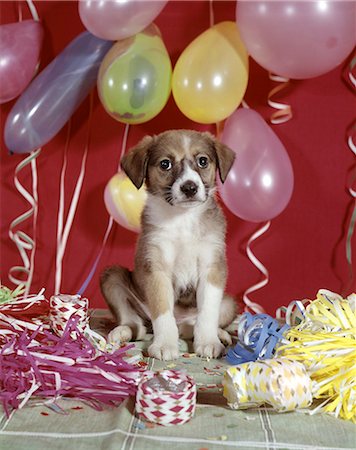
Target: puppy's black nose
189	188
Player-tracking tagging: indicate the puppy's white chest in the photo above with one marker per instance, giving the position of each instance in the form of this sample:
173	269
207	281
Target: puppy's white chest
182	253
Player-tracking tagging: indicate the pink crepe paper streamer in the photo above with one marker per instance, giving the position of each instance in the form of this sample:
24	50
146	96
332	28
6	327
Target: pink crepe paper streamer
57	367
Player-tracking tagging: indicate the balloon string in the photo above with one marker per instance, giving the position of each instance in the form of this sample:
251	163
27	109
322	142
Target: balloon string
109	226
211	13
32	9
284	111
63	233
251	306
22	240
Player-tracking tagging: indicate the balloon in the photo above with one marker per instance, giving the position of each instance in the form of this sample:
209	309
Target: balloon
297	39
134	81
260	182
20	46
124	202
53	96
210	77
117	19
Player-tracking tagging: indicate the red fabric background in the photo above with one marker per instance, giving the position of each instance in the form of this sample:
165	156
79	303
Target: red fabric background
304	250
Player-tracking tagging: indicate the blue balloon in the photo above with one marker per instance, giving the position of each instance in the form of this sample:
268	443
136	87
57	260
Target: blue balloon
53	96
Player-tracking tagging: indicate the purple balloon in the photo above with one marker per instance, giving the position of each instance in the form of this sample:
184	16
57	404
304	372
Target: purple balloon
260	183
297	39
53	96
117	19
20	46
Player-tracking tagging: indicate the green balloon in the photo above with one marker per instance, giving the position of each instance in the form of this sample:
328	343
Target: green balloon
134	81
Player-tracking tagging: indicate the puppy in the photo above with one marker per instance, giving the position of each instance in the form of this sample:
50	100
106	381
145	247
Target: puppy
180	265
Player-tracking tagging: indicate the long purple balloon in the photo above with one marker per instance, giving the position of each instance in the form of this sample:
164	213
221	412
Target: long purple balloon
53	96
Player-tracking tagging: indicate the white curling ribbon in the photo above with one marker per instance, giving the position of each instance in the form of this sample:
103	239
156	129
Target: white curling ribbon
166	398
255	307
280	382
23	242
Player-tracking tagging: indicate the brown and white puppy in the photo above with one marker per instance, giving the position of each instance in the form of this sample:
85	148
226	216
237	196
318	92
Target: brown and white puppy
180	266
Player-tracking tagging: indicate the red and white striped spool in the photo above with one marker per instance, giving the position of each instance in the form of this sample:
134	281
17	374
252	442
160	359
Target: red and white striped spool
166	398
63	307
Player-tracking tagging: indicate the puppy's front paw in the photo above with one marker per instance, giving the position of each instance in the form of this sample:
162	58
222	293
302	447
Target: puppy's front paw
165	352
211	349
120	334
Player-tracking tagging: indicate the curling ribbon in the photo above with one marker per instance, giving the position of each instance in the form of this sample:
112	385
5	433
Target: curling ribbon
166	398
258	336
284	111
110	222
22	240
352	192
255	307
325	342
63	233
282	383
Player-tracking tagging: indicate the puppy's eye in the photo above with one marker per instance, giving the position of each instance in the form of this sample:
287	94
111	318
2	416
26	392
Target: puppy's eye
203	162
165	164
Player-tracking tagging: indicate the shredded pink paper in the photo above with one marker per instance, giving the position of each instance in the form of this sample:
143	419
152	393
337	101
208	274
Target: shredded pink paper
55	366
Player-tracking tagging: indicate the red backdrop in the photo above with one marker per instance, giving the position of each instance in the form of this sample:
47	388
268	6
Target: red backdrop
304	250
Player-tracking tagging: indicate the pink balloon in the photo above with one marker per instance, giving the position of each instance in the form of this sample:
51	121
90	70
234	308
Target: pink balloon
297	39
117	19
20	46
260	183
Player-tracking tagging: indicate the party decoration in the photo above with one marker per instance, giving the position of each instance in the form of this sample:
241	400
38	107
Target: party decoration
166	398
325	342
54	367
282	383
117	20
297	39
134	80
124	202
64	307
260	183
210	77
8	295
20	46
258	336
53	96
23	314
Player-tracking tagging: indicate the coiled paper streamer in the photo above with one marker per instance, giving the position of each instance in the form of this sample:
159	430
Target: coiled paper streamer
64	307
281	383
325	342
258	337
166	398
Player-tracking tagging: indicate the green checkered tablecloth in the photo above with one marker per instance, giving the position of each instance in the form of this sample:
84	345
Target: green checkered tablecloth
214	425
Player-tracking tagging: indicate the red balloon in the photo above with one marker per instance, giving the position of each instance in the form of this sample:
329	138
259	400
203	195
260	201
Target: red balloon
20	46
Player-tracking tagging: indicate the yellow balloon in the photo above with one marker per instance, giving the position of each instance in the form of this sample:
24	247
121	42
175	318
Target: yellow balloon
211	75
124	202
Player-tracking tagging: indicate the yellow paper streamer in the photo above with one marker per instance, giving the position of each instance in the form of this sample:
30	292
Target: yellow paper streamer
325	342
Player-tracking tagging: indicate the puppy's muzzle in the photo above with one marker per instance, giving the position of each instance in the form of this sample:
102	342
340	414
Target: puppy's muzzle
189	189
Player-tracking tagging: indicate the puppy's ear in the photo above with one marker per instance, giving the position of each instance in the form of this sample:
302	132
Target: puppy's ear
135	161
225	157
